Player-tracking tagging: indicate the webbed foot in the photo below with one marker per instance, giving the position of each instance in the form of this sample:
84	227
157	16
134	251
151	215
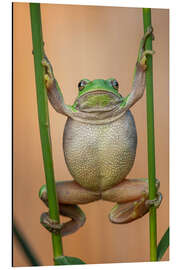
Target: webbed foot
142	55
156	202
73	212
51	225
128	212
48	76
149	31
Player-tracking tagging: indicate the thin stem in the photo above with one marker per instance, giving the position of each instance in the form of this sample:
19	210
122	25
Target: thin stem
25	246
150	138
44	122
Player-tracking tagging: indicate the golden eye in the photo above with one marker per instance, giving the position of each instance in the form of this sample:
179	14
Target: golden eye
115	84
82	84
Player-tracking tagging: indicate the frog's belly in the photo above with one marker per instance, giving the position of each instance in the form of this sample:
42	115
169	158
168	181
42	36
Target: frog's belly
100	156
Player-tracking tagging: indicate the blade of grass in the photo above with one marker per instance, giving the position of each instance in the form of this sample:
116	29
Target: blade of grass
44	122
150	138
163	245
27	249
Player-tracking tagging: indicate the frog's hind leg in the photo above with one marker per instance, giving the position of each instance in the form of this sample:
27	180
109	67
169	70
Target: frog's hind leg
69	194
132	200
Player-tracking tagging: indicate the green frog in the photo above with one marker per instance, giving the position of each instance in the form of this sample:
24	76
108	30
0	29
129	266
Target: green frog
99	145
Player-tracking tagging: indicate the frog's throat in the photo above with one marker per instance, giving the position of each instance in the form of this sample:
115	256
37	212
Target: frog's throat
98	114
98	101
98	118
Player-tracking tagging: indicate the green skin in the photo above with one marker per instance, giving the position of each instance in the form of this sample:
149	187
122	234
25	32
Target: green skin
99	147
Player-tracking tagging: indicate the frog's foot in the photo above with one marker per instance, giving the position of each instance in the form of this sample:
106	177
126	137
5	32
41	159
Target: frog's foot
132	200
142	55
72	211
48	76
127	212
156	202
51	225
149	32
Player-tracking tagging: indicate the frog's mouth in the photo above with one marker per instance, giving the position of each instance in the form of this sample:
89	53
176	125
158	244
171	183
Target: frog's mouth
97	100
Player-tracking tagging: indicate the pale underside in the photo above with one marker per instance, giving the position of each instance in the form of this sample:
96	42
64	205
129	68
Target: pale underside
100	156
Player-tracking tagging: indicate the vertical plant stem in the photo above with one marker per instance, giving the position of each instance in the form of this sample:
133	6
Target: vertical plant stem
44	122
150	139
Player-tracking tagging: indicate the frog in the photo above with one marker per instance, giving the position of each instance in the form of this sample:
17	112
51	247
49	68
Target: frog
99	143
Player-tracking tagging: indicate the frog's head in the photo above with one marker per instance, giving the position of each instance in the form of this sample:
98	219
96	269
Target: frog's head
97	95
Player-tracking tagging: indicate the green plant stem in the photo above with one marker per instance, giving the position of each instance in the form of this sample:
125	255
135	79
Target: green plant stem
150	139
44	122
25	246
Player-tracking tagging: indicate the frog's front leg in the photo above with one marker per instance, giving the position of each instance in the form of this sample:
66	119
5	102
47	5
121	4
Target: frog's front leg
138	85
54	93
131	196
69	194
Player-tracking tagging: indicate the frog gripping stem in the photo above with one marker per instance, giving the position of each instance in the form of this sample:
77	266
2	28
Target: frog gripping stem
142	55
43	116
98	164
48	76
51	225
71	211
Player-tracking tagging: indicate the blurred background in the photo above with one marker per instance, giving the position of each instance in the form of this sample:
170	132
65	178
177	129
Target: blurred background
86	42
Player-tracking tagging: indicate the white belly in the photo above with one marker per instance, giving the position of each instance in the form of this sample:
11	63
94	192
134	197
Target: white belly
100	156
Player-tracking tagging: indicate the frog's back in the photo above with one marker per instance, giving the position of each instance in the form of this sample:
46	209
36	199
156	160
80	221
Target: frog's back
100	156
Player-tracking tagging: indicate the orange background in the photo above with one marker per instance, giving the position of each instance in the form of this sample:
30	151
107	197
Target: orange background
86	42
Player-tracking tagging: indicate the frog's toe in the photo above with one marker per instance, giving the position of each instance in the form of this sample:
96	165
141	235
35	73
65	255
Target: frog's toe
127	212
156	202
157	183
149	30
45	62
48	68
143	59
51	225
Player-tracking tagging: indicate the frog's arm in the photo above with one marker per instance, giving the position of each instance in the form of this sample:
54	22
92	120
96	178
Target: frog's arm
54	93
138	85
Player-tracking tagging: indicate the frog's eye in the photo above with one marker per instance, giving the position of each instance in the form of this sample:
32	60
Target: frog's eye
115	84
82	84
